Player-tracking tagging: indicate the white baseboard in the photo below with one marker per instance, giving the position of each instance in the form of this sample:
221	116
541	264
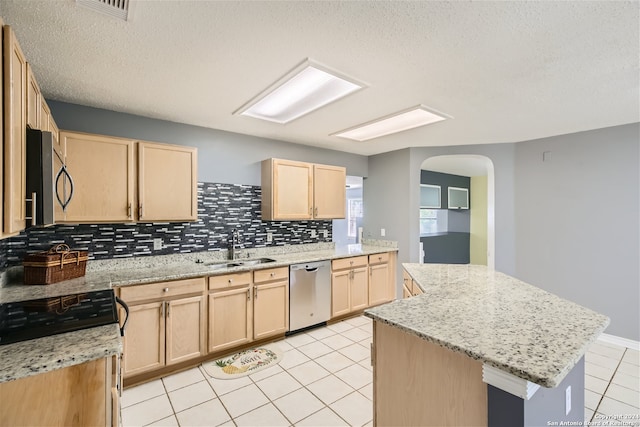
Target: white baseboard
624	342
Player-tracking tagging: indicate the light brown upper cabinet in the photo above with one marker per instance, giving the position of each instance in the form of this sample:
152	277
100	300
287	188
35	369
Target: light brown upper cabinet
110	187
102	168
294	190
15	125
34	100
167	182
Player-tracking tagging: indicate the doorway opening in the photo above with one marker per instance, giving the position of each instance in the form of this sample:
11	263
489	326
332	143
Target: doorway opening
469	209
348	231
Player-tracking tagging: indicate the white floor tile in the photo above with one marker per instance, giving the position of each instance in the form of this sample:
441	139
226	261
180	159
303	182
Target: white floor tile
281	345
323	418
278	385
267	415
595	384
624	395
292	358
607	351
321	333
368	328
315	349
334	361
610	406
358	321
183	379
191	395
243	400
146	412
356	352
591	399
221	386
330	389
632	357
265	373
340	327
356	334
142	392
299	339
605	362
367	391
298	405
629	369
308	372
171	421
336	341
588	414
210	413
366	364
628	381
598	371
356	376
355	409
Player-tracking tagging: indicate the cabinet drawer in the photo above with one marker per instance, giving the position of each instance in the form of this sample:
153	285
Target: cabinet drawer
162	289
379	258
271	274
230	280
342	263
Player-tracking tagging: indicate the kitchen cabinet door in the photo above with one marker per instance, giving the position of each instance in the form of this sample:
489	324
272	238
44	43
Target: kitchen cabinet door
270	309
340	284
230	318
379	284
15	133
359	289
144	340
167	182
185	326
329	192
102	169
287	190
34	101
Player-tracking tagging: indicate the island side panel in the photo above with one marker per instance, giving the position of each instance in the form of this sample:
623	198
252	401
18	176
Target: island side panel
418	383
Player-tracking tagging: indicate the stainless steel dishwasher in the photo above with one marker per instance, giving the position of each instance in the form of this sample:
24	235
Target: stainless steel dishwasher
309	294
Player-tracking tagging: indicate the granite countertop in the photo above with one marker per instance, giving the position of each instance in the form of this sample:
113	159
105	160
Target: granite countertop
496	319
58	351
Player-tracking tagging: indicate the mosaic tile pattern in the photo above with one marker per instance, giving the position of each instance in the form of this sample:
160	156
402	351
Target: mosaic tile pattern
221	208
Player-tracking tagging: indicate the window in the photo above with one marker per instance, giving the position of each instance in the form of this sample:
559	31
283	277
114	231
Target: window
428	221
354	212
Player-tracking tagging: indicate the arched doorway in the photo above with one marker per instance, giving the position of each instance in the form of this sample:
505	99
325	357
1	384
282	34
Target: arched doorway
480	170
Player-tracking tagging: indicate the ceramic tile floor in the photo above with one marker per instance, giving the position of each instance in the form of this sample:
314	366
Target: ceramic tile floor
325	379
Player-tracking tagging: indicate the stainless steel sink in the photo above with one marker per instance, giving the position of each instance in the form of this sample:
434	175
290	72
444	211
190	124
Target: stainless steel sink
238	263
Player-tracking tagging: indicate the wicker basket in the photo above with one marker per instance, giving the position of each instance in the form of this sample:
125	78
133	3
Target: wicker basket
57	264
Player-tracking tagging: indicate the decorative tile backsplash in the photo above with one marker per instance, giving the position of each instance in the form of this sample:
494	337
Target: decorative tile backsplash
221	208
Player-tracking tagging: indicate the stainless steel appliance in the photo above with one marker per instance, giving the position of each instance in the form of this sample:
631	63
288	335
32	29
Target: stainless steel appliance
48	180
309	294
25	320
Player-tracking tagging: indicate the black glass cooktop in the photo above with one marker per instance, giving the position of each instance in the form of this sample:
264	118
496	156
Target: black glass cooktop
25	320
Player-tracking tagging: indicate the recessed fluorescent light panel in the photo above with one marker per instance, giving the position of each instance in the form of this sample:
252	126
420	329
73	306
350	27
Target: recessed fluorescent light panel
398	122
307	88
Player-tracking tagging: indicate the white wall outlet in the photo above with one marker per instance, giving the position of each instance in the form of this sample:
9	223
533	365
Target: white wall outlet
314	233
157	244
383	232
567	400
269	237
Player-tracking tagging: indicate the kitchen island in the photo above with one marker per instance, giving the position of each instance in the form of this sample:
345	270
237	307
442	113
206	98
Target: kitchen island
479	347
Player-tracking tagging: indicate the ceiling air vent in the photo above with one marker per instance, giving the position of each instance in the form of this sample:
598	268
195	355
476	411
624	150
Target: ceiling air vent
116	8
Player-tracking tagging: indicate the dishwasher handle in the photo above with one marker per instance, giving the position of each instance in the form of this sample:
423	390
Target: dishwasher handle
311	269
310	266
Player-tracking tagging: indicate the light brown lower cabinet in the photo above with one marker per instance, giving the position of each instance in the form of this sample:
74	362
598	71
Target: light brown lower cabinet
167	324
230	311
382	270
349	285
270	302
409	287
79	395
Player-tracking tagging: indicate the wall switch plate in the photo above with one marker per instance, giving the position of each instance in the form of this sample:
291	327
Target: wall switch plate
269	237
157	244
383	232
314	233
567	400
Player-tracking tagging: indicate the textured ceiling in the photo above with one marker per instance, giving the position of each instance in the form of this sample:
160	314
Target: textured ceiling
506	71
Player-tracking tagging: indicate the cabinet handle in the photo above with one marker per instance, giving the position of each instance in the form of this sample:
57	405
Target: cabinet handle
272	274
129	211
255	293
230	280
166	290
162	310
248	294
379	258
315	211
140	211
310	211
168	305
351	262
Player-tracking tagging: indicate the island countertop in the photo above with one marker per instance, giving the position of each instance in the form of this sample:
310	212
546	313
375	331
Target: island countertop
496	319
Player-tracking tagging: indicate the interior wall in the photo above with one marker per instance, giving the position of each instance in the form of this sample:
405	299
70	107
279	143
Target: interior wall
478	223
223	157
578	220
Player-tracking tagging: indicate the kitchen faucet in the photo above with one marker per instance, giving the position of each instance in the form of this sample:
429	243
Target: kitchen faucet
234	241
